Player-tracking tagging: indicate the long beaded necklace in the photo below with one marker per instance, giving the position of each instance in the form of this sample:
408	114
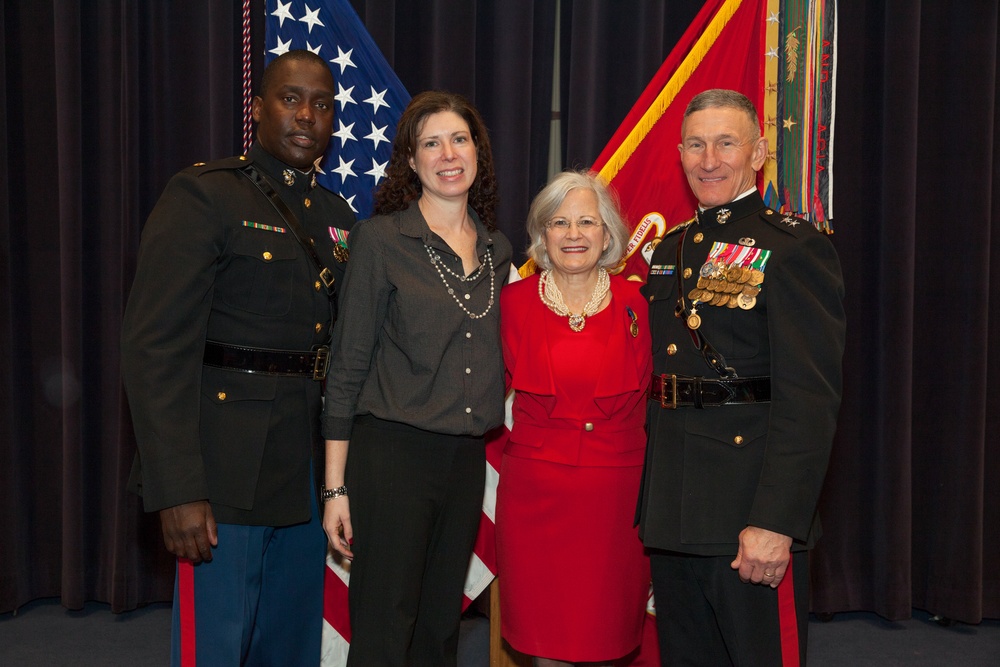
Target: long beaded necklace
438	263
552	297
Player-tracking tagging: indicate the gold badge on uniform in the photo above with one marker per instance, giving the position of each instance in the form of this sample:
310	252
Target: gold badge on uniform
722	217
289	177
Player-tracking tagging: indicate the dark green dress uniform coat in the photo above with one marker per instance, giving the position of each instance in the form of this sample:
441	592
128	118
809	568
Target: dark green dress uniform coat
712	471
217	262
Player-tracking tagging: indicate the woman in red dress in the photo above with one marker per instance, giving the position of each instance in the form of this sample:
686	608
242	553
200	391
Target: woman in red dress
573	576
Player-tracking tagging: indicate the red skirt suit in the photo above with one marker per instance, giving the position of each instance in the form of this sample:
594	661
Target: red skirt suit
573	576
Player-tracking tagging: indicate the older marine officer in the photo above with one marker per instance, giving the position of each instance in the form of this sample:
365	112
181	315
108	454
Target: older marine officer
748	334
223	353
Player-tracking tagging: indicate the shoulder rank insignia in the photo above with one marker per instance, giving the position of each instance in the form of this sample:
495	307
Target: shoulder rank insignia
679	227
787	222
236	162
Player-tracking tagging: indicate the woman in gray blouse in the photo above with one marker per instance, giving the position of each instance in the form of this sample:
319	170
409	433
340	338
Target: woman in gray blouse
415	381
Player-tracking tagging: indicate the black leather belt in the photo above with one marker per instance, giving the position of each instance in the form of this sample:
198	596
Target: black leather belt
673	391
312	363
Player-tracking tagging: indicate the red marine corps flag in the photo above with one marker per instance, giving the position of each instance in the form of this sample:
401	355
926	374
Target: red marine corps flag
780	54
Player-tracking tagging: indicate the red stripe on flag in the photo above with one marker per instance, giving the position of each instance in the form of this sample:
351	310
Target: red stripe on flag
185	604
497	440
335	609
788	623
486	546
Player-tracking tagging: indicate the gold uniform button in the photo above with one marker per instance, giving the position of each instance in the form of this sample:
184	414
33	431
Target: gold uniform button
267	256
319	327
738	440
671	349
243	157
307	202
316	285
221	395
199	164
651	299
588	427
687	273
699	237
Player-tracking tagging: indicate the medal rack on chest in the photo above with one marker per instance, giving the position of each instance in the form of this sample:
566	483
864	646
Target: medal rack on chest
731	277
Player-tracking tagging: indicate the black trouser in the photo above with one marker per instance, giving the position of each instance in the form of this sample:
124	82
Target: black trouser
416	498
706	616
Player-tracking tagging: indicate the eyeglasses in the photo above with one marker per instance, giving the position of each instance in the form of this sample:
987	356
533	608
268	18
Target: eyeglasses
562	224
724	146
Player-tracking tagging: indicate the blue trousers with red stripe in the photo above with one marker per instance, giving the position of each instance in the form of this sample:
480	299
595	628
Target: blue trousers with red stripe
259	601
706	616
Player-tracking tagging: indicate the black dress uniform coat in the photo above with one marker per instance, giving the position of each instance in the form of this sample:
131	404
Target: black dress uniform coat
218	263
712	471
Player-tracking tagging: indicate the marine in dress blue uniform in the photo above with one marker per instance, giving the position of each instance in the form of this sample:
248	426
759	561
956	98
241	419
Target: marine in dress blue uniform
223	356
748	335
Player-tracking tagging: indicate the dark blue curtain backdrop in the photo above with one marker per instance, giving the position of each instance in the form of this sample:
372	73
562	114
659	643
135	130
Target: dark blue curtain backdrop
102	101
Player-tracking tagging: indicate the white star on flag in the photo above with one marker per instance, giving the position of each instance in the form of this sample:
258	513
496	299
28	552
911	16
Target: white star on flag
377	134
344	169
377	170
344	96
314	49
281	48
312	18
283	12
343	59
344	133
377	100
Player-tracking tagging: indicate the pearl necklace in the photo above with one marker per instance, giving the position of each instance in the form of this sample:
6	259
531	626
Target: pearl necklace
438	263
551	296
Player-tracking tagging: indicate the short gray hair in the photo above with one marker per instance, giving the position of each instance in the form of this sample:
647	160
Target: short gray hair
551	198
722	98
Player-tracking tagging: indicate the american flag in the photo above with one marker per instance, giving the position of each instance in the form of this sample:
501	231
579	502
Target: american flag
370	97
369	101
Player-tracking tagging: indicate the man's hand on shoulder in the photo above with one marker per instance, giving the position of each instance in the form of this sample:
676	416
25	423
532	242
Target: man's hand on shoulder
763	556
189	530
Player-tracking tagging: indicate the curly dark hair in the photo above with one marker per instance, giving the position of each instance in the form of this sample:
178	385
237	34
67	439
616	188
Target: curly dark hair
401	186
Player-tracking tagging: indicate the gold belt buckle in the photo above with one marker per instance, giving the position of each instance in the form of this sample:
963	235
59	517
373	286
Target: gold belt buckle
672	405
322	363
